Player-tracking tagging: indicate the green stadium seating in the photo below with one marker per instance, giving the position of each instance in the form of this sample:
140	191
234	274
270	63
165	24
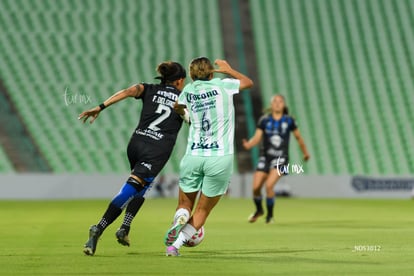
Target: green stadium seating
5	165
90	49
346	68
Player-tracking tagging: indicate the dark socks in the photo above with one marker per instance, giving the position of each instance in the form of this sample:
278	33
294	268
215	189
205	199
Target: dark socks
131	210
270	202
110	215
258	203
132	191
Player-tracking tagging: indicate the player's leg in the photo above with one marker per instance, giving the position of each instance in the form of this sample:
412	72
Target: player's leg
181	216
258	180
189	183
271	180
145	162
130	212
217	173
128	191
201	212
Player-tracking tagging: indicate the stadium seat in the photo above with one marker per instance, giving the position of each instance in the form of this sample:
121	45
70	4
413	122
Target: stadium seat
86	48
344	67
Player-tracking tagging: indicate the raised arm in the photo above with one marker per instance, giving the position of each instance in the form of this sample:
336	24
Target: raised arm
133	91
225	68
302	145
257	137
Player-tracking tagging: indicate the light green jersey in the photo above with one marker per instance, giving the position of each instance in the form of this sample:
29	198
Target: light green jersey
211	110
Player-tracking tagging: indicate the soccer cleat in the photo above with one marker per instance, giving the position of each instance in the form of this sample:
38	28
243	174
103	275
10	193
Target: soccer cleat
172	251
122	236
90	245
255	216
270	220
174	231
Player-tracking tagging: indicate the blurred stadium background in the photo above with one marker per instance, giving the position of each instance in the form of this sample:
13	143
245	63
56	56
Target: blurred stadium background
346	68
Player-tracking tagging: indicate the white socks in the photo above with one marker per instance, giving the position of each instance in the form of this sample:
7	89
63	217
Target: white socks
186	233
182	212
188	230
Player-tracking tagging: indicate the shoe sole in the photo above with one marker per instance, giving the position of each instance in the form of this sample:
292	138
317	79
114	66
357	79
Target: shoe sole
172	255
174	231
121	239
88	251
123	242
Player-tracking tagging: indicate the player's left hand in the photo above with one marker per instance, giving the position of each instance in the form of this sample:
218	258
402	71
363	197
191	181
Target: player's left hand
245	144
306	157
223	66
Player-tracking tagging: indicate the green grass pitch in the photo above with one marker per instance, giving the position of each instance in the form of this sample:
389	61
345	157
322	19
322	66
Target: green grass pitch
309	237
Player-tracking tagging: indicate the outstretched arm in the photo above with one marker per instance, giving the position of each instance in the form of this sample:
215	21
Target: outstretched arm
225	68
133	91
302	145
257	137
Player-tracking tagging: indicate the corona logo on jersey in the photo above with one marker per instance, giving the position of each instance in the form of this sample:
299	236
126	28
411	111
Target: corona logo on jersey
202	96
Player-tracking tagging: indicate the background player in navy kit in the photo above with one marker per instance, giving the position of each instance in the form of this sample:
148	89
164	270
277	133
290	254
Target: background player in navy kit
275	130
149	147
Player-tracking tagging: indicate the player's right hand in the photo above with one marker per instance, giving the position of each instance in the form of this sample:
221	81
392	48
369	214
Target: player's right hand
179	108
94	113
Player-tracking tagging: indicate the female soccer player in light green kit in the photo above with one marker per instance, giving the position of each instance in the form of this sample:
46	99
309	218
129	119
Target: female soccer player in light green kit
208	162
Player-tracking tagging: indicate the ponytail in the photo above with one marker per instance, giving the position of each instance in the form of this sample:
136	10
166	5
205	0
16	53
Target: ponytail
170	71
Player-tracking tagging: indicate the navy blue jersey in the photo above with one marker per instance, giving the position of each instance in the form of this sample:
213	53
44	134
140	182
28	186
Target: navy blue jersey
159	123
276	134
152	143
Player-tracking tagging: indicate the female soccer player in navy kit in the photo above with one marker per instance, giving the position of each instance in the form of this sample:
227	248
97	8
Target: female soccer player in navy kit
149	148
275	130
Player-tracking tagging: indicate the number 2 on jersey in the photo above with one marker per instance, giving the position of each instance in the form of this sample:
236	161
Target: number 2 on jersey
165	112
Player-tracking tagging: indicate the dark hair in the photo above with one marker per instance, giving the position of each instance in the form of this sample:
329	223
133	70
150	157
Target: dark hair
170	71
201	68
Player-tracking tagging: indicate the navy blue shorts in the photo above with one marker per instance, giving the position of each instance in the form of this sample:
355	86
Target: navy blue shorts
270	162
147	159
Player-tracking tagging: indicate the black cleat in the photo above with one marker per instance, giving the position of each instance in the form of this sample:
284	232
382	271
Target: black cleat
270	220
255	216
122	236
90	245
